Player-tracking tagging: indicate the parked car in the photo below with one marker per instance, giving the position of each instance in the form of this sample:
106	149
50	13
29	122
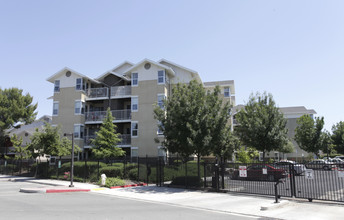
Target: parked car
298	169
320	164
339	157
255	172
336	161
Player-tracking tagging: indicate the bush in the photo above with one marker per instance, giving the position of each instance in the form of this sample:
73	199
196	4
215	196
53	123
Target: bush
112	171
132	174
191	181
112	182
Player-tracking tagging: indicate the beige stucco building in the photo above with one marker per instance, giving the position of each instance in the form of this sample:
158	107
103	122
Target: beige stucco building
131	91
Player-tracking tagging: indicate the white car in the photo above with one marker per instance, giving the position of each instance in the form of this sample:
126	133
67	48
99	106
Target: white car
299	169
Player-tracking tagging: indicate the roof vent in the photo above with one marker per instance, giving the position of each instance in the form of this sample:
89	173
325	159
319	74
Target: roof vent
68	73
147	66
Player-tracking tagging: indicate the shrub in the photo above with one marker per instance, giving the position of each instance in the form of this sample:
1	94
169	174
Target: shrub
191	181
132	174
112	171
112	182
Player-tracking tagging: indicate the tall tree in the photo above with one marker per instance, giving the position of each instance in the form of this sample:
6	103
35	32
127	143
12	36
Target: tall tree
21	152
15	107
338	137
194	121
106	140
261	125
309	134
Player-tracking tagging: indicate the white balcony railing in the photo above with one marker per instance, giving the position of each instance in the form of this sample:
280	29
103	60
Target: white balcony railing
100	115
120	90
98	93
125	139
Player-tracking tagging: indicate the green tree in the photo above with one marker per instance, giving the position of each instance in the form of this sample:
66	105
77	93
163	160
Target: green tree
287	148
261	125
21	152
15	107
338	137
106	140
194	121
246	155
309	134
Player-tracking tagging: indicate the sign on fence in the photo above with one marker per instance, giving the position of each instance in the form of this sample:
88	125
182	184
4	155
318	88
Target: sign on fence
340	172
309	174
265	171
242	171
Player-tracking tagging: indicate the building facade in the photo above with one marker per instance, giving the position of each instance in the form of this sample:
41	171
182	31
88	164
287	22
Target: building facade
130	91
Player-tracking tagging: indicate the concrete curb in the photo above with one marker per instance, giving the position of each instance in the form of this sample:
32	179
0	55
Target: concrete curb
50	190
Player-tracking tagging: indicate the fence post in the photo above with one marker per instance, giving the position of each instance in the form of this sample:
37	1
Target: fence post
205	175
138	169
147	171
222	173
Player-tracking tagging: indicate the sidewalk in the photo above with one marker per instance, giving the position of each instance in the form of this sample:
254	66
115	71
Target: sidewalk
219	202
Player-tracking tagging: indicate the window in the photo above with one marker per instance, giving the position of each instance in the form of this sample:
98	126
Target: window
134	79
134	104
161	77
161	152
160	130
260	156
79	107
161	98
227	92
78	131
134	151
80	84
57	86
134	129
55	108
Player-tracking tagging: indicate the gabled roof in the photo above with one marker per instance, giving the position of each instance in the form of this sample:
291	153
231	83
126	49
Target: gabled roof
53	77
297	110
177	65
113	71
167	68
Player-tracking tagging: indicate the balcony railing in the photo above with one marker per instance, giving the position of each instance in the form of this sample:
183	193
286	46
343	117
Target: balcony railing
125	139
100	115
120	90
98	93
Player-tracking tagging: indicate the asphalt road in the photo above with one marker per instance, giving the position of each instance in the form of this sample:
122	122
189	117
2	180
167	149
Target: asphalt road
88	205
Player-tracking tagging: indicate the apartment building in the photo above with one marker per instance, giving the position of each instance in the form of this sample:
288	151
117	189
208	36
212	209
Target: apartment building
130	91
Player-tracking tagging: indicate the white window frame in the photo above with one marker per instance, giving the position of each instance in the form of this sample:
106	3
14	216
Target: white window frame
161	151
226	92
160	101
159	132
81	108
161	79
134	102
133	130
135	80
134	149
80	132
57	86
56	110
260	156
81	86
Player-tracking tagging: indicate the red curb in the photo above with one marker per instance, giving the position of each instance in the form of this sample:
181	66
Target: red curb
125	186
66	190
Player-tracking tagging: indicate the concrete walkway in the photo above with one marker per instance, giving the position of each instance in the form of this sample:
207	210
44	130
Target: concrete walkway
220	202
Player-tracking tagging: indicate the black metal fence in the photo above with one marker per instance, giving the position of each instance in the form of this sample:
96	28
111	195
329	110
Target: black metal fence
292	180
306	181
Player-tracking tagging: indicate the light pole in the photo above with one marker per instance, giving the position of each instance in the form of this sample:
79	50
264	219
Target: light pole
72	162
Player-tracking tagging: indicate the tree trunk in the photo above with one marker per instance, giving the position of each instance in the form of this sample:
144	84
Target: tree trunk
198	167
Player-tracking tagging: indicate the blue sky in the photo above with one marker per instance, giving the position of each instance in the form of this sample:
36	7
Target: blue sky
293	49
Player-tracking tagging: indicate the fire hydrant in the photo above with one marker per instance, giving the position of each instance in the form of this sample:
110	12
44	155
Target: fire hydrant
103	176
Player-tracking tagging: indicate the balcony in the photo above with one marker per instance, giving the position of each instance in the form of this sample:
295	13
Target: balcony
97	93
120	91
98	116
125	139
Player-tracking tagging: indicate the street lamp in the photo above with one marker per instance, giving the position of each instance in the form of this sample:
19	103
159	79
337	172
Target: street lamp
72	163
